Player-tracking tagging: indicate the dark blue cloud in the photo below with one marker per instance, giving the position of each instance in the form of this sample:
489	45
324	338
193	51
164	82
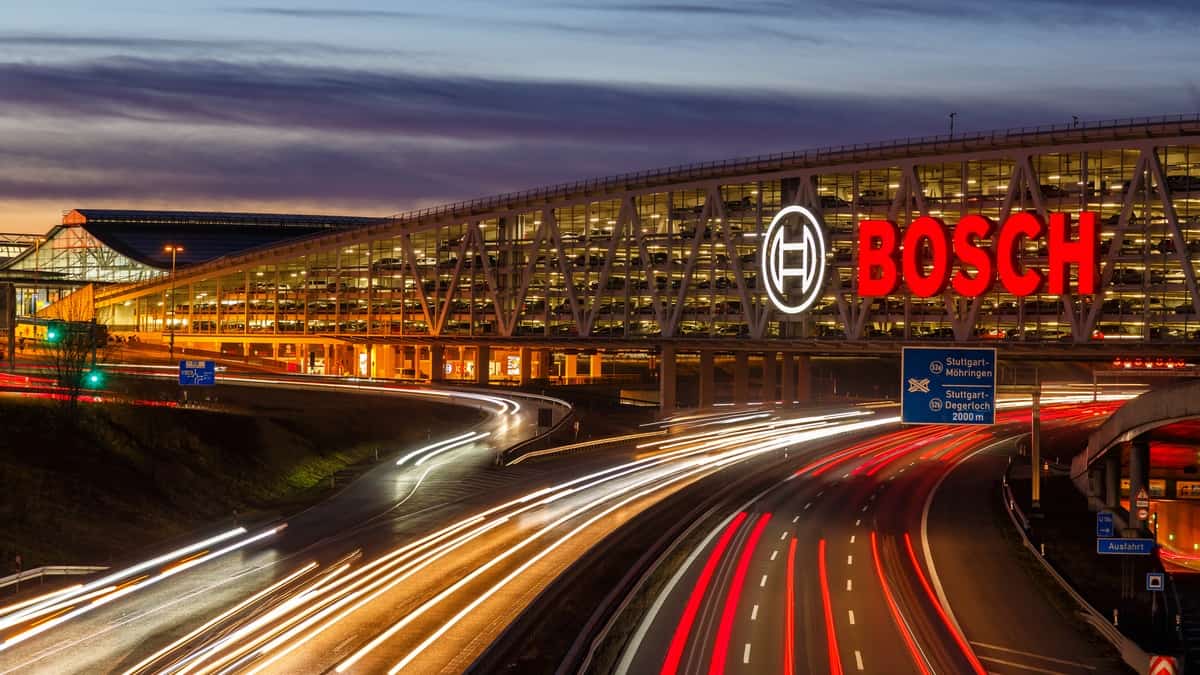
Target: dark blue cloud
230	134
276	96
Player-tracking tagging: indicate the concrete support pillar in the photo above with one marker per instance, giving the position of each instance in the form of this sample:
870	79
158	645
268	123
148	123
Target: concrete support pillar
1112	478
1139	475
545	360
596	367
804	378
741	378
437	363
572	366
707	379
483	363
526	366
666	380
770	378
787	378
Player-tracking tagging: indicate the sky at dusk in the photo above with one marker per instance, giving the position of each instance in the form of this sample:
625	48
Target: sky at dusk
371	107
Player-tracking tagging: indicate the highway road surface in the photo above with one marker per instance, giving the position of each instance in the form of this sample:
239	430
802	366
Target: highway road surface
415	567
117	621
884	557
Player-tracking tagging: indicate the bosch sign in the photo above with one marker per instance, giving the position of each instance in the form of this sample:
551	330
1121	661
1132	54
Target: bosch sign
793	259
927	256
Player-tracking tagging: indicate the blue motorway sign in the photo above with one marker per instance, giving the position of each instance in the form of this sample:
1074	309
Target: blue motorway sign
1107	546
948	386
197	373
1104	524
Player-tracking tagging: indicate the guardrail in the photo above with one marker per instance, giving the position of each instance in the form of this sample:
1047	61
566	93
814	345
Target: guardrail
582	445
40	573
1132	654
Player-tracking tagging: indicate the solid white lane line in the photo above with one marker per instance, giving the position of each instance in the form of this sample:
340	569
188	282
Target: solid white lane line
1022	666
934	578
763	582
746	654
638	635
1031	654
851	613
754	613
849	584
858	659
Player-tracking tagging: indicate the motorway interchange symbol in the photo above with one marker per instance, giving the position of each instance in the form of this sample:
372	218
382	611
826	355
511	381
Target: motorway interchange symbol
921	385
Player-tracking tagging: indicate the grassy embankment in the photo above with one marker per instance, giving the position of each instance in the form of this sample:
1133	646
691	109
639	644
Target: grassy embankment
87	488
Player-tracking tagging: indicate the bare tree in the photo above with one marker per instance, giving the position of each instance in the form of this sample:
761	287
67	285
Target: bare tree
72	343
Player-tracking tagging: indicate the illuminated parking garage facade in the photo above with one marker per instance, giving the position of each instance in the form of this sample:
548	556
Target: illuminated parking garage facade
671	258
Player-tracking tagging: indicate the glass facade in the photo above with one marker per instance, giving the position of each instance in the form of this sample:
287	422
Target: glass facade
679	257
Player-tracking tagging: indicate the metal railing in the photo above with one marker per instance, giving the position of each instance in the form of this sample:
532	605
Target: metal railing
1015	136
40	573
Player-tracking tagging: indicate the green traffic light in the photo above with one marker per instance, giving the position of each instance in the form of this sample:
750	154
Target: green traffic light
93	379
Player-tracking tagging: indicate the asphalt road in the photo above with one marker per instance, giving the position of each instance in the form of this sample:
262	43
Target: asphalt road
387	504
885	557
414	567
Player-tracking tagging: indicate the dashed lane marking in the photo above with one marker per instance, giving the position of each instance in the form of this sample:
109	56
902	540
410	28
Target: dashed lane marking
746	654
763	582
852	539
754	613
849	584
858	659
851	613
774	554
849	560
796	519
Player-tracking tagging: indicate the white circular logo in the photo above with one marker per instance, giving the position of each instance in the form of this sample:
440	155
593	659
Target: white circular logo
793	267
935	367
935	404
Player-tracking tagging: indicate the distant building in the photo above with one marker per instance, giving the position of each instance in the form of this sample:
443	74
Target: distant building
104	246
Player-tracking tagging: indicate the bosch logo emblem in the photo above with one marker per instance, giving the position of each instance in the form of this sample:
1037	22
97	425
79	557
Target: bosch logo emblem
793	260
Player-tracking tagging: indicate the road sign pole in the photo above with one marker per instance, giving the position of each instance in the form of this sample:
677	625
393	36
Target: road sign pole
1035	449
10	319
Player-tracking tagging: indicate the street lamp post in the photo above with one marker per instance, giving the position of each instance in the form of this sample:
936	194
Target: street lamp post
173	249
37	273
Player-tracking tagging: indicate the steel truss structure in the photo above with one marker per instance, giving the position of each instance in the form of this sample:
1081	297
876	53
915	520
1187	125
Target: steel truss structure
673	254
